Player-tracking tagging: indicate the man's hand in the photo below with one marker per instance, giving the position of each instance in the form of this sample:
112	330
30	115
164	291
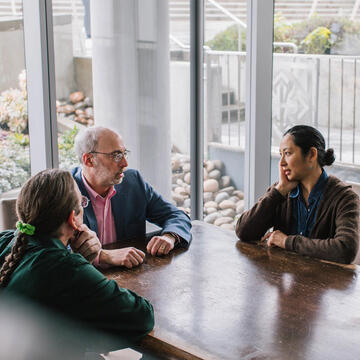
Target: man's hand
86	243
275	238
285	186
161	245
128	257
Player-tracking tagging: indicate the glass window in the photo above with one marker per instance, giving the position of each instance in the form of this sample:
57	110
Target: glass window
224	111
316	78
128	70
14	138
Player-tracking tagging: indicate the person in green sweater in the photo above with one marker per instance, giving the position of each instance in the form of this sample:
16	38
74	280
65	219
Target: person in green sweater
37	265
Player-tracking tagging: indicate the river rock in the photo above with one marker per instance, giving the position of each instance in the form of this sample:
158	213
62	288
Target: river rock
208	196
228	213
239	194
234	199
211	217
218	164
187	203
178	198
211	185
240	206
180	190
89	111
76	96
210	210
175	177
206	175
227	204
81	120
88	101
187	178
222	220
209	165
66	109
91	122
215	174
175	164
228	226
212	204
80	112
180	182
221	196
186	167
225	181
80	105
228	189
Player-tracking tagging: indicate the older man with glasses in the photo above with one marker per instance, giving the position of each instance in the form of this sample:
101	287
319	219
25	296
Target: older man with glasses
120	201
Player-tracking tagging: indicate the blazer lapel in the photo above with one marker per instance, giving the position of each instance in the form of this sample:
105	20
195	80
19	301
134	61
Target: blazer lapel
89	214
118	202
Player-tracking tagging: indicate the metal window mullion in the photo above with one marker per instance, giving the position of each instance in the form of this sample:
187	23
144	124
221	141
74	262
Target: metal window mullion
196	107
40	72
259	35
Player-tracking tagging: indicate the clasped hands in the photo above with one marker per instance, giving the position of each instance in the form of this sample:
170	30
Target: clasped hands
128	257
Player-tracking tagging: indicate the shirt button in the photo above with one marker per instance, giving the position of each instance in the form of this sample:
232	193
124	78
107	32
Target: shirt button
308	210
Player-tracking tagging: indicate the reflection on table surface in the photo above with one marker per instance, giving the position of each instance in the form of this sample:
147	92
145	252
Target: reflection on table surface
224	299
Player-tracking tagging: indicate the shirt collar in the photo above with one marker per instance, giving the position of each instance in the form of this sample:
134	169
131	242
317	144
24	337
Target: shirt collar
93	194
316	190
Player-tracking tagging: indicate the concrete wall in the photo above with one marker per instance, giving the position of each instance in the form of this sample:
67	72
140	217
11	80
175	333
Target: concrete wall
12	58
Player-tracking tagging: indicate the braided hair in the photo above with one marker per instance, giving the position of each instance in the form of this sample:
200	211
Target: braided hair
45	201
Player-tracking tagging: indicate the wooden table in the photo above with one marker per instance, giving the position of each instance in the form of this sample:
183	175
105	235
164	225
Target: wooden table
224	299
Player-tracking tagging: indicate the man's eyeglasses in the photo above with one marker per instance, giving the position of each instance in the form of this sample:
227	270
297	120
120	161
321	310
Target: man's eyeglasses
84	201
117	156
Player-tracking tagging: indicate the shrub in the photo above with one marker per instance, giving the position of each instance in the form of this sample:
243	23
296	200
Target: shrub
228	40
318	41
67	156
13	107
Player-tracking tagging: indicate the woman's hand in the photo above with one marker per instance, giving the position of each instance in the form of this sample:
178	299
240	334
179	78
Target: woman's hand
285	186
275	238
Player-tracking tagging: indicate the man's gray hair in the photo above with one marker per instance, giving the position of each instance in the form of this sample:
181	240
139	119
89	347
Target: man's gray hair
87	140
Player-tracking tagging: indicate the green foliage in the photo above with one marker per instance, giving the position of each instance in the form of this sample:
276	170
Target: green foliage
67	155
316	35
318	41
13	107
14	161
228	40
15	158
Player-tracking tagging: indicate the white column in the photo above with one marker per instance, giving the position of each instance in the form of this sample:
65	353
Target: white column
131	81
258	98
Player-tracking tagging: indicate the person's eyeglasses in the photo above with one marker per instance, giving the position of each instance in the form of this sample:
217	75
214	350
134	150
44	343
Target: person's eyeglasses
84	201
117	156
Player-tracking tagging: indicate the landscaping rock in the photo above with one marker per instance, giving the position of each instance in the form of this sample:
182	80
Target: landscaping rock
76	96
227	204
211	218
212	204
221	196
225	181
228	213
211	185
222	220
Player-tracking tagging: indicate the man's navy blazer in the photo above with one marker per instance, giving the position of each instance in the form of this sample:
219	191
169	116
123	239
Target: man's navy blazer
135	202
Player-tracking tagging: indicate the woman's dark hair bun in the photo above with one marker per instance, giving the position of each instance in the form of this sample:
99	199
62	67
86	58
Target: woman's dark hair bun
329	157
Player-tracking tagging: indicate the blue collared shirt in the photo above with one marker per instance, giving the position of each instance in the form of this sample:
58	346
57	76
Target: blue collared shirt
303	217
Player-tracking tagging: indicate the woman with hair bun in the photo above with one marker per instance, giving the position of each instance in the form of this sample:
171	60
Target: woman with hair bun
36	264
310	212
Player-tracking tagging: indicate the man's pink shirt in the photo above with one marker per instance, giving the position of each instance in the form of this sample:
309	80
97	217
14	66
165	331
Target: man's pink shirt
103	213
